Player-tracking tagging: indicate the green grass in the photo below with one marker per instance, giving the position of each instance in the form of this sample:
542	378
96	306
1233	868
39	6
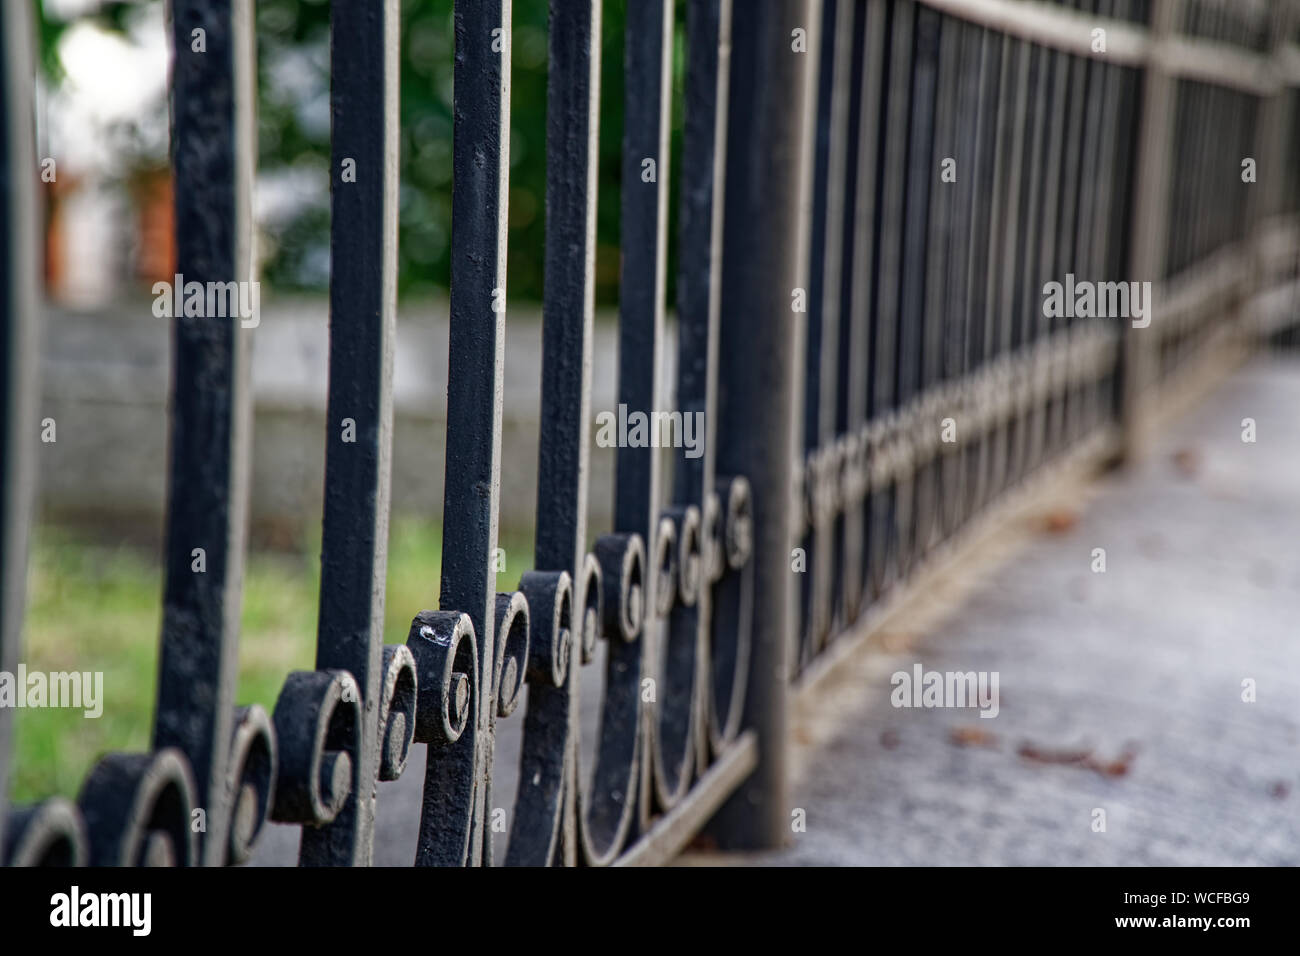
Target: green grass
93	607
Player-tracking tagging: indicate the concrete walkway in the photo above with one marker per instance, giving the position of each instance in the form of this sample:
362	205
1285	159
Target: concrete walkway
1119	691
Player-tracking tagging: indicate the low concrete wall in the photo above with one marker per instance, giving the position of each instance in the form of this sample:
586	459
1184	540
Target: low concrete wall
105	382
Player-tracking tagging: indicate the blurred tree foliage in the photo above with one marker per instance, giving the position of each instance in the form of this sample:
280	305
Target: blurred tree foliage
293	131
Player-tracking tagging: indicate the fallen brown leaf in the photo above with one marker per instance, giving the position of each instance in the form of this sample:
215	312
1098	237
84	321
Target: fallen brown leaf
703	843
1081	757
1060	520
1113	768
1038	754
972	737
1187	461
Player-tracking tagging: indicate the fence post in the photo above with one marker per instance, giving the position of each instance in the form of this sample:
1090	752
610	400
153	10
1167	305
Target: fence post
1150	221
1272	132
774	63
19	423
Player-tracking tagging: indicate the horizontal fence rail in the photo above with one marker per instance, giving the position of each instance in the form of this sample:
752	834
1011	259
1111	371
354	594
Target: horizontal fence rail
927	251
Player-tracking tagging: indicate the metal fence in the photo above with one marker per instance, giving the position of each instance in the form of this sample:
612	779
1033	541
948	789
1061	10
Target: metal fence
1099	144
873	198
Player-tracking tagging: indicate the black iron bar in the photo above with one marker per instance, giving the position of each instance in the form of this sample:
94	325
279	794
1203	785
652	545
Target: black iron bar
212	160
